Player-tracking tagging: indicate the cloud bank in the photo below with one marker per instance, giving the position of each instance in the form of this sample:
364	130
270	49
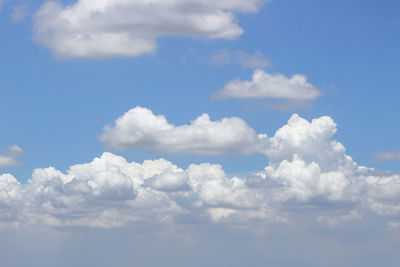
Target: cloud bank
308	174
10	158
129	28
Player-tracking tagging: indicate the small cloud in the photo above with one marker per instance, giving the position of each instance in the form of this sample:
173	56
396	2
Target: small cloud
19	13
295	92
239	57
387	156
10	158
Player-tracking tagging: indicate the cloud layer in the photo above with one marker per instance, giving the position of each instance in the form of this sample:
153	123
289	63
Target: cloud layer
10	158
119	28
265	85
140	128
308	174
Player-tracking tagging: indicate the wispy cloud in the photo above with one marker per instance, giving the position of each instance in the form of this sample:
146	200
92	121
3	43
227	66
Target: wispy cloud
238	57
387	155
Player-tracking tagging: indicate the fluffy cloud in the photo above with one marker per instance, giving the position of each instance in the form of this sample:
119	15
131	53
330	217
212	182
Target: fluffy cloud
140	128
265	85
114	28
10	158
309	174
111	192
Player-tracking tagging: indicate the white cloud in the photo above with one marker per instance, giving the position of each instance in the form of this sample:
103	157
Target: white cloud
228	57
116	28
311	141
265	85
140	128
111	192
10	158
308	174
388	155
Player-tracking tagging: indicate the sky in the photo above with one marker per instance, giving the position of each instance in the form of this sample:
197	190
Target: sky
199	133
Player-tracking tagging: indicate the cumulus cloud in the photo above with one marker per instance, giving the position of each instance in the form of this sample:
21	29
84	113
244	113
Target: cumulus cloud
228	57
111	192
10	158
388	155
308	174
129	28
140	128
275	86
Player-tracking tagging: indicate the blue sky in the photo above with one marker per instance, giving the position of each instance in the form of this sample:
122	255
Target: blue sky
57	94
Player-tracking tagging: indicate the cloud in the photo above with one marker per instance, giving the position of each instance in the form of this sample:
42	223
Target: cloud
275	86
228	57
111	192
129	28
140	128
387	155
10	158
308	175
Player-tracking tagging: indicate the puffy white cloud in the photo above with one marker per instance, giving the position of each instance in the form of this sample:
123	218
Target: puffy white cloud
227	57
9	190
305	181
388	155
10	158
10	199
309	174
113	28
311	141
265	85
111	192
140	128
